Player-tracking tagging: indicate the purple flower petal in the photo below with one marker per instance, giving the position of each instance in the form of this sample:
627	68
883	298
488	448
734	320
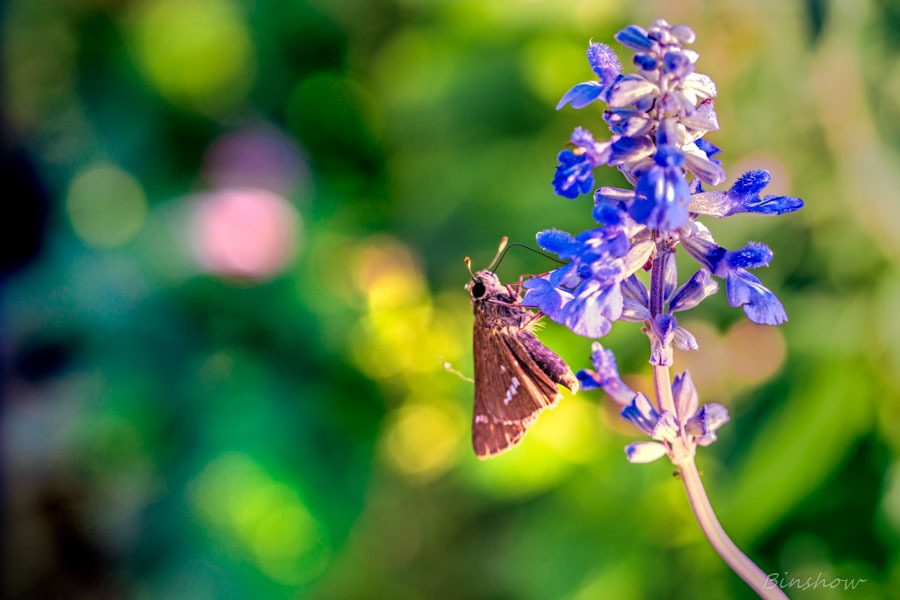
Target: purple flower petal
685	340
574	175
709	149
605	375
677	63
661	198
773	205
760	304
543	295
698	163
644	452
646	62
634	38
588	380
629	148
750	184
697	87
703	118
683	34
581	95
595	306
565	276
628	122
602	241
634	311
634	288
700	286
629	91
751	256
606	214
742	197
604	63
608	207
597	152
556	241
670	276
641	413
663	333
744	194
666	428
704	424
685	395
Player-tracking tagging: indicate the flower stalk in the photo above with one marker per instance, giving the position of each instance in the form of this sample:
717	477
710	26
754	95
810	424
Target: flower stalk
719	540
682	455
659	118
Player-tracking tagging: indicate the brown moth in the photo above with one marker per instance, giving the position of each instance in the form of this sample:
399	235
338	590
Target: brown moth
516	376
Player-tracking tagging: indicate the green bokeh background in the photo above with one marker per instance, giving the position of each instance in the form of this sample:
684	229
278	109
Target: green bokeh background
170	431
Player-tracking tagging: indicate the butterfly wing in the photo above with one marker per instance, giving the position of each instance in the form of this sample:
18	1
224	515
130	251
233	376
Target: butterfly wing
524	389
548	361
491	436
516	376
512	386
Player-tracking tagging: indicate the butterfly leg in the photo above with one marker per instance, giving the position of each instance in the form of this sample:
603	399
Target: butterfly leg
518	284
533	317
502	303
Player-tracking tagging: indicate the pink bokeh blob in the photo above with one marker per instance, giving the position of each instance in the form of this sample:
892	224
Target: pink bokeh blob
245	233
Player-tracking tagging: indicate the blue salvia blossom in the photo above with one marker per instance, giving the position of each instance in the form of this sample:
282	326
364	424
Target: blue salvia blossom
699	423
659	118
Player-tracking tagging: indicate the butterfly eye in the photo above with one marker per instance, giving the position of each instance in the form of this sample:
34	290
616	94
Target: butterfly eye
478	290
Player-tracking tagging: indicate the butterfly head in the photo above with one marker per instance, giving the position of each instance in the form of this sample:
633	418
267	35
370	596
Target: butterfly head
485	284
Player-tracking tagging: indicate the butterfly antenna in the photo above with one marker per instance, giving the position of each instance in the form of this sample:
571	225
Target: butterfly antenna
499	252
562	262
469	265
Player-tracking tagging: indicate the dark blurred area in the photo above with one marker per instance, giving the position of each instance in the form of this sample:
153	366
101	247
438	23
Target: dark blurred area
232	280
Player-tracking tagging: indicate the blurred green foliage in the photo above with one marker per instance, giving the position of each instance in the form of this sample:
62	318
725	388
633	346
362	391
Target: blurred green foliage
234	274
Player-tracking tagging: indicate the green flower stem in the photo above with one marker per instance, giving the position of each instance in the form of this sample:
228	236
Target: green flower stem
681	452
731	554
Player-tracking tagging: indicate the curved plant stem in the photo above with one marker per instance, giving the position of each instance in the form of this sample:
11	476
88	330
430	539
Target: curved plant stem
731	554
682	454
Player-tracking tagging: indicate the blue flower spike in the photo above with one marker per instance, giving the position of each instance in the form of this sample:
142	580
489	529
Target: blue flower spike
662	119
659	143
